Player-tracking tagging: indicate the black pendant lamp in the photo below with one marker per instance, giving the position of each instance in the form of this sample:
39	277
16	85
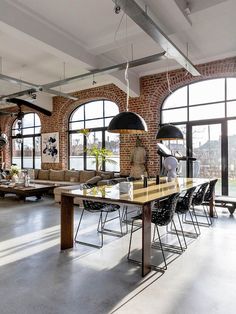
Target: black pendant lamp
127	122
169	132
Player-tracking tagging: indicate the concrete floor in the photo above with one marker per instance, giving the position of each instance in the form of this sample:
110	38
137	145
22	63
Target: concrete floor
35	277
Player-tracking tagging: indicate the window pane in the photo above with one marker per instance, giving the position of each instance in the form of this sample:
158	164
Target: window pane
231	109
111	109
112	142
207	150
38	152
174	115
90	124
28	131
37	120
31	146
28	152
94	110
76	125
107	121
16	153
37	130
231	88
76	151
179	147
78	114
206	91
94	142
232	159
28	120
177	99
207	112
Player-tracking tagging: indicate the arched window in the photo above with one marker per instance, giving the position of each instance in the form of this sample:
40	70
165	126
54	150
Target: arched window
206	113
95	116
26	141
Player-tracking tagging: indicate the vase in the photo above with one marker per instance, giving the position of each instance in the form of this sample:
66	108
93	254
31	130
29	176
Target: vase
15	178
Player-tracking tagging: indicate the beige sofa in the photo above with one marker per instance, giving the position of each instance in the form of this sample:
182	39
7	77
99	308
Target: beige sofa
67	180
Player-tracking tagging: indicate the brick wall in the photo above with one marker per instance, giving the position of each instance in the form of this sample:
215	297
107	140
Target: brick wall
154	90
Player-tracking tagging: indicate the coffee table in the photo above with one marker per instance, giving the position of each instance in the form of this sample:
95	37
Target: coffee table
36	190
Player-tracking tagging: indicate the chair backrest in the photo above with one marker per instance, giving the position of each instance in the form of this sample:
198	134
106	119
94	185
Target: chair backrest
184	203
210	190
163	215
91	206
198	198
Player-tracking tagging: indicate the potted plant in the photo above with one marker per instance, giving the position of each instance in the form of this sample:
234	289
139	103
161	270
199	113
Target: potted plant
101	154
14	173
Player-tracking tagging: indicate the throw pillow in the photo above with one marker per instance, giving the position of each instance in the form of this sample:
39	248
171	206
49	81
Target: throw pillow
94	180
106	175
72	175
86	175
56	175
43	174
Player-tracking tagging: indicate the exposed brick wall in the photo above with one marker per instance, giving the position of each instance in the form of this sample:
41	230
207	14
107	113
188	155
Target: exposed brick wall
154	90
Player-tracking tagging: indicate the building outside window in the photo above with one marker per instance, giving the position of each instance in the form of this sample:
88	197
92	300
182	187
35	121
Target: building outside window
26	142
206	113
95	116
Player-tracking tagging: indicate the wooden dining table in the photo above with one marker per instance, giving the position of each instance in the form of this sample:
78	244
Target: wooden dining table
128	193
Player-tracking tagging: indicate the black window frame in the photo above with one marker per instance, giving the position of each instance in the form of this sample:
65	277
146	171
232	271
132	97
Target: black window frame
190	123
102	129
32	135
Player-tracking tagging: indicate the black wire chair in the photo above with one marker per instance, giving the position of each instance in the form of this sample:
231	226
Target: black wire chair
161	216
209	196
183	206
103	209
198	198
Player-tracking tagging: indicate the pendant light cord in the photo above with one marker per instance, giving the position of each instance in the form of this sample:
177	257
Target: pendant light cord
127	82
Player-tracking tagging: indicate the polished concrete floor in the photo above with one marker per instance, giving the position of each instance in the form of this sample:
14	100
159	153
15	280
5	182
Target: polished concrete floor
36	278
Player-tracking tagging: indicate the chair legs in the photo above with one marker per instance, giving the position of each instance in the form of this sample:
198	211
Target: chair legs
157	243
100	228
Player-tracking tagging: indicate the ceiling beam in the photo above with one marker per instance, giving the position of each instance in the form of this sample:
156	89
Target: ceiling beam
107	70
33	88
141	18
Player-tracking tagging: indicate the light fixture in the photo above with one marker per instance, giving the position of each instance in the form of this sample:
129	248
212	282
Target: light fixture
169	132
3	139
19	138
127	122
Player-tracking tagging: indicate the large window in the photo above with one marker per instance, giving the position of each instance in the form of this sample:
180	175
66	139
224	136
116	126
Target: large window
95	116
206	112
26	141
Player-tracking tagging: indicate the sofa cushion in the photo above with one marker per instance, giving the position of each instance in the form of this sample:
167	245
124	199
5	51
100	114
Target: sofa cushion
94	180
86	175
36	173
43	174
72	175
57	175
106	175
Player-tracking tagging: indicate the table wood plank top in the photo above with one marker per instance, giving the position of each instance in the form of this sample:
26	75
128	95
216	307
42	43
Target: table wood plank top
134	193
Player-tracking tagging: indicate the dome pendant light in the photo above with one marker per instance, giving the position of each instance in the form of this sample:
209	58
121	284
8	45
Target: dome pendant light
127	122
169	132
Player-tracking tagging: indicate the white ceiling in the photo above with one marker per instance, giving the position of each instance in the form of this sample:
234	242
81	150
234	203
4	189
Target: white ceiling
39	36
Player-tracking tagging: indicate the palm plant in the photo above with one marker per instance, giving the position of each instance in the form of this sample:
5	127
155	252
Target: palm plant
100	154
